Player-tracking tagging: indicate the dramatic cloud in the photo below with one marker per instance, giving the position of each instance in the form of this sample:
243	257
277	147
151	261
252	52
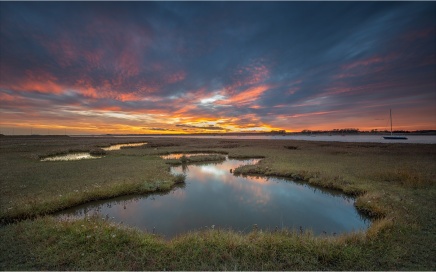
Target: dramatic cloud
186	67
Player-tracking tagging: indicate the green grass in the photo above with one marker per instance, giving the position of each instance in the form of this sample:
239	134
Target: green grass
30	187
393	182
93	244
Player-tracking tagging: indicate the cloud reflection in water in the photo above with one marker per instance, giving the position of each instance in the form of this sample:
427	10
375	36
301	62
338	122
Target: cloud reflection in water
214	196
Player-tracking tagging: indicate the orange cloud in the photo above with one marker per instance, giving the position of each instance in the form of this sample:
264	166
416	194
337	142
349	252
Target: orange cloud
89	92
245	97
129	97
36	86
36	81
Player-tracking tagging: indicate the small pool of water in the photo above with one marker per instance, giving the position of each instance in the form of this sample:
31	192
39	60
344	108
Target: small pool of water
119	146
179	155
215	198
86	155
71	157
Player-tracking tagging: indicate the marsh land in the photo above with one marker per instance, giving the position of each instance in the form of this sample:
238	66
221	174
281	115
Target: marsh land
394	184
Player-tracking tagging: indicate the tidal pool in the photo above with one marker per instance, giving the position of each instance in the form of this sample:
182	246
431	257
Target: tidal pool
71	157
179	155
215	198
119	146
86	155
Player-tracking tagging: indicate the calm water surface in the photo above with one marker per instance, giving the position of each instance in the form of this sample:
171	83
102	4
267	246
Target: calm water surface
213	197
86	155
119	146
71	157
412	139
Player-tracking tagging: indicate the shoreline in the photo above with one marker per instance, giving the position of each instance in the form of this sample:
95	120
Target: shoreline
322	137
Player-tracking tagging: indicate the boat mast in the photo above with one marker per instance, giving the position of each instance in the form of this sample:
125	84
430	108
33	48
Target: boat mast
390	117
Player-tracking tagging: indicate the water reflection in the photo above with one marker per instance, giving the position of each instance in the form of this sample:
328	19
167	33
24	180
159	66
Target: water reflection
213	196
119	146
71	157
177	156
87	155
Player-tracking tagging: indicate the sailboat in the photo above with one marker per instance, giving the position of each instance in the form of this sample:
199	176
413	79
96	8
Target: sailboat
393	137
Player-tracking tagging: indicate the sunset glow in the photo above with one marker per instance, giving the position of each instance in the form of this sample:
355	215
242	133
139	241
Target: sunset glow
215	67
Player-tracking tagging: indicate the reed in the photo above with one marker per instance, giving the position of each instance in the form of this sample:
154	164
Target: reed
179	178
196	159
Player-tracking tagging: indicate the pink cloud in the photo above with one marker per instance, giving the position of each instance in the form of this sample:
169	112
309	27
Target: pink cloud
252	74
420	34
4	97
361	67
36	81
364	62
247	96
129	97
176	77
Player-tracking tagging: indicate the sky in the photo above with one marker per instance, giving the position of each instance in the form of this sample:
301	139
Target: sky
216	67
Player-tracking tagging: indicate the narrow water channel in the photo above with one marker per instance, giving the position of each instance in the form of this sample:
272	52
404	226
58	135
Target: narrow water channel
215	198
72	157
119	146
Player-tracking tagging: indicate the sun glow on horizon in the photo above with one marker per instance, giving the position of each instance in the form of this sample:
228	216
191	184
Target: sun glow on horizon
141	72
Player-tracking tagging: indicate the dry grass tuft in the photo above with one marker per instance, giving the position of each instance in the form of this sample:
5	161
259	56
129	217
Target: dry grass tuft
378	226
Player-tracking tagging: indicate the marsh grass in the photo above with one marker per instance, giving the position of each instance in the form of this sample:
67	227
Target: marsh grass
179	178
395	183
196	159
97	152
95	244
407	175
